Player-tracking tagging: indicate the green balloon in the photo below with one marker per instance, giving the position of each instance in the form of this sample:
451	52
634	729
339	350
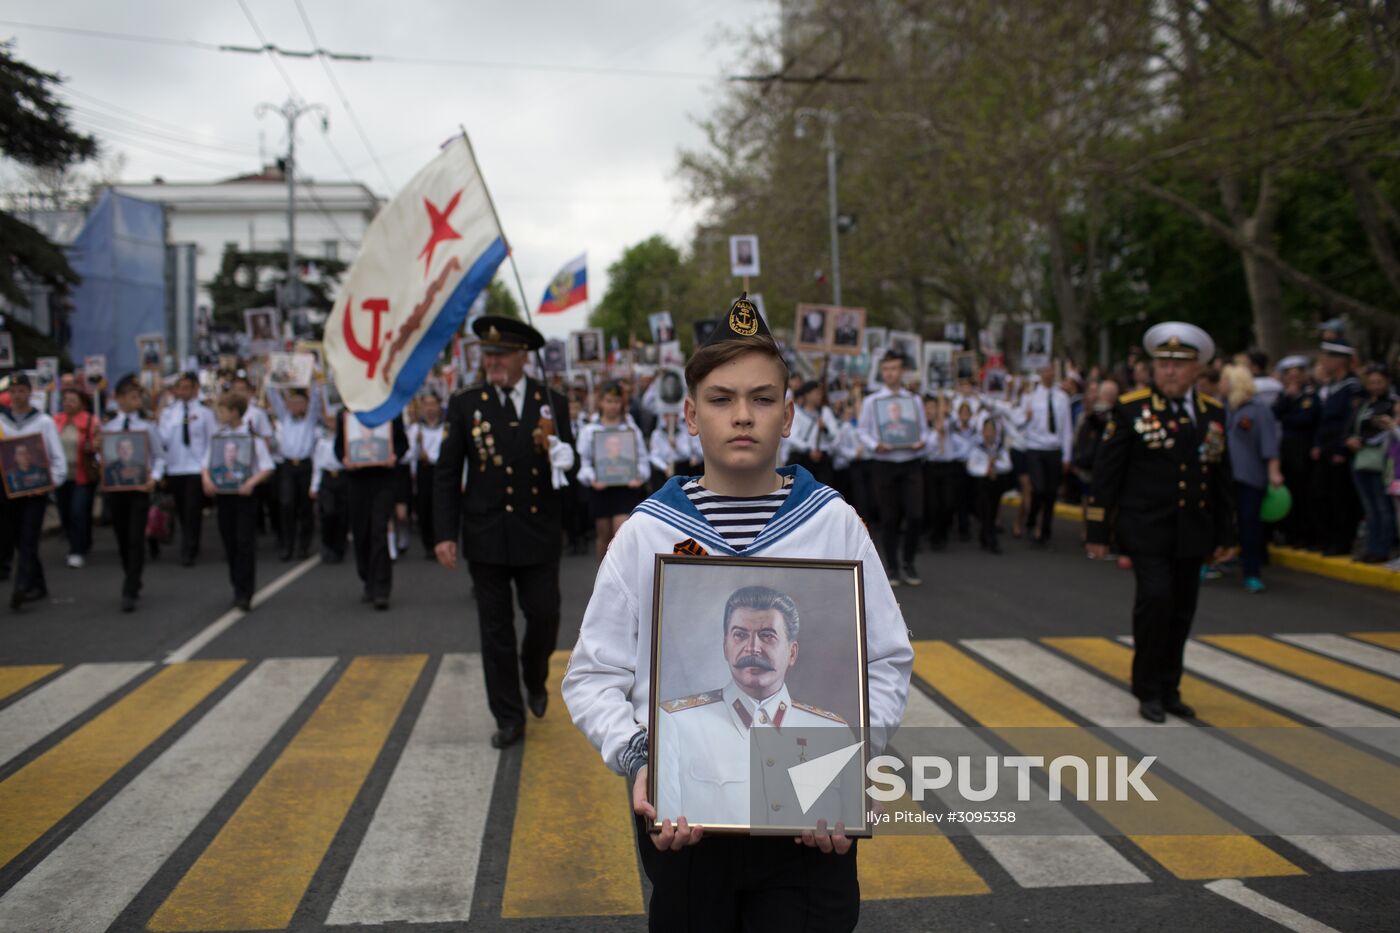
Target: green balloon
1277	503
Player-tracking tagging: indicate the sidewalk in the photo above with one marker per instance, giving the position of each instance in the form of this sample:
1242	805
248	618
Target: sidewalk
1338	568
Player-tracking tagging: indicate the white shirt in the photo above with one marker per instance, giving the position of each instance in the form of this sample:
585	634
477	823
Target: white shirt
257	423
182	459
980	456
868	427
323	459
1034	420
424	443
812	431
296	437
35	421
134	422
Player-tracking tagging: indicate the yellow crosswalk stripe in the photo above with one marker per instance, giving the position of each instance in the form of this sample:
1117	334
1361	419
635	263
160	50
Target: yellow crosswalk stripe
1350	770
1185	837
1389	640
16	677
47	789
1344	678
565	787
256	871
903	866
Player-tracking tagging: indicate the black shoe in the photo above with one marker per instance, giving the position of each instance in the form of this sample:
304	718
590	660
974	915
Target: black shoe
16	599
128	603
303	553
243	602
285	556
1178	708
381	603
538	703
508	736
1152	711
910	576
35	595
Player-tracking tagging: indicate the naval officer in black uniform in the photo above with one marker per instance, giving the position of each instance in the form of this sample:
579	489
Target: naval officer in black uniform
513	437
1161	488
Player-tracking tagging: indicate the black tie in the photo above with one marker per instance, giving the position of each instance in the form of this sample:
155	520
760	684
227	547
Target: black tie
126	423
508	401
185	428
1050	407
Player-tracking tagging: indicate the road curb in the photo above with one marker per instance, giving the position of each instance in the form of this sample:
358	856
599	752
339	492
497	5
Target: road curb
1338	568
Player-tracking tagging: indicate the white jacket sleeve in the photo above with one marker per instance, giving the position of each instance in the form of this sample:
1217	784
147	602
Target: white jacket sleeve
866	429
58	464
586	475
889	655
602	669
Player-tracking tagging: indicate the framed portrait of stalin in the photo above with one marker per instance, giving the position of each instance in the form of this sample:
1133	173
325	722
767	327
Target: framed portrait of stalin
759	704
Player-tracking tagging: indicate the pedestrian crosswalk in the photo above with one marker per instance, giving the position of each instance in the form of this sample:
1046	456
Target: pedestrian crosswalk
233	794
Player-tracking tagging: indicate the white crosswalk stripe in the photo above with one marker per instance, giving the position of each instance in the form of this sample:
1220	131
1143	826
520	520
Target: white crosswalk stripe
88	881
418	861
32	717
1334	834
1342	648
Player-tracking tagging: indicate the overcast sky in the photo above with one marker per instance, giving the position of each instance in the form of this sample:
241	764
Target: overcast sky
576	161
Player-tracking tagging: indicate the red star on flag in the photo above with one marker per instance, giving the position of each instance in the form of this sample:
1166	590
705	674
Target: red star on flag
442	230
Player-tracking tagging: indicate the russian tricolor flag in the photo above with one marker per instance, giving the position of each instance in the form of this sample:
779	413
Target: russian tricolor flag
568	288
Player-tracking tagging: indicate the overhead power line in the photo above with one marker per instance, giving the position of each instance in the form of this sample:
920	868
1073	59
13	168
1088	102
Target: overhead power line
291	86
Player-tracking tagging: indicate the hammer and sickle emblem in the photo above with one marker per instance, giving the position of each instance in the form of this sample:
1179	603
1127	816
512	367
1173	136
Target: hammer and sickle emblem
370	354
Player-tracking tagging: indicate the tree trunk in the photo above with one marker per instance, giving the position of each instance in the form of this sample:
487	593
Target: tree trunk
1071	316
1261	278
1368	211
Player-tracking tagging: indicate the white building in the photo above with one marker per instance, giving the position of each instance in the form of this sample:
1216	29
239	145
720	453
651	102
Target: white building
250	213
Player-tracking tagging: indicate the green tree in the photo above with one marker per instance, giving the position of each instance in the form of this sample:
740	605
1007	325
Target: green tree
500	300
250	280
649	277
35	132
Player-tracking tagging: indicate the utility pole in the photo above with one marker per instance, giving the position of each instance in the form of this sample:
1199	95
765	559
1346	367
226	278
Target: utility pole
828	118
291	111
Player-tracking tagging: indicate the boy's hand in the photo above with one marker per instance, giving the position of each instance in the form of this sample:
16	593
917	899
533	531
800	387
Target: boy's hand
671	837
446	553
635	484
883	448
209	489
599	486
247	488
827	842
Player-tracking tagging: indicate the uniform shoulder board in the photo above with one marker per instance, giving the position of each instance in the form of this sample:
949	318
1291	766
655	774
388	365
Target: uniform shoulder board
693	701
1211	400
468	388
1137	395
818	711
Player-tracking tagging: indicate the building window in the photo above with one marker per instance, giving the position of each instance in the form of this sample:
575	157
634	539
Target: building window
330	249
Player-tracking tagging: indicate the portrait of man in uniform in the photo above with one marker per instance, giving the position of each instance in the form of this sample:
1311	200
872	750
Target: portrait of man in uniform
230	462
789	691
24	464
899	421
366	447
846	336
615	457
811	328
125	460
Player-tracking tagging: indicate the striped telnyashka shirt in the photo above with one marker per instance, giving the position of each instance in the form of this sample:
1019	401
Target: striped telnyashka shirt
738	519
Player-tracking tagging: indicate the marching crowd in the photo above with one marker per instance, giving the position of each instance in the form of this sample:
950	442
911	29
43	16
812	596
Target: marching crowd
1324	427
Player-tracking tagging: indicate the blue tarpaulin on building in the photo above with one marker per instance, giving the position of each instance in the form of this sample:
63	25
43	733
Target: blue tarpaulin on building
120	254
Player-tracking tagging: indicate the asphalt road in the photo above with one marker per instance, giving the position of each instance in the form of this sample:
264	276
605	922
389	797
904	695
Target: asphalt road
350	733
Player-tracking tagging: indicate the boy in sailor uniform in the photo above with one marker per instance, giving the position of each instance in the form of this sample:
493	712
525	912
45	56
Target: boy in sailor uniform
735	405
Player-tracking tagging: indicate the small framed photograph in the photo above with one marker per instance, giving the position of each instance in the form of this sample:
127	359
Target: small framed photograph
150	349
955	332
586	349
876	340
704	329
811	326
938	366
615	456
46	374
663	329
126	461
759	709
230	462
847	330
7	350
260	324
556	357
994	383
367	447
899	421
95	369
743	255
1037	343
290	370
24	466
965	365
670	390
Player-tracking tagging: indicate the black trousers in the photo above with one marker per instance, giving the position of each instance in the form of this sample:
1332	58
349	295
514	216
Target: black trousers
1163	607
862	491
333	508
941	483
371	496
1299	526
424	504
537	591
820	469
189	508
25	517
127	511
1338	506
899	494
749	883
238	529
1046	470
294	500
987	491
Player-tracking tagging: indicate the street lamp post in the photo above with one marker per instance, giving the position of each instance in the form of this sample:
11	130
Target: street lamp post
291	111
828	118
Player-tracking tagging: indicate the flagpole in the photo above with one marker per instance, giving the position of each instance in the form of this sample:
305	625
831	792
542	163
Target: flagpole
510	253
